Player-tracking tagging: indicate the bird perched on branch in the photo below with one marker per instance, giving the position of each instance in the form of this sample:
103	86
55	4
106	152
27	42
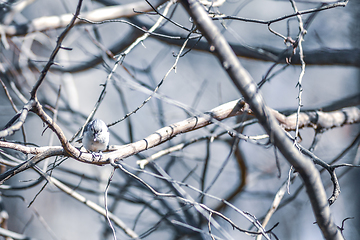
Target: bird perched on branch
96	137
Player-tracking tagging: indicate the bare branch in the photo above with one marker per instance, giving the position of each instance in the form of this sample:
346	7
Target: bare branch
300	39
245	84
101	14
322	56
89	203
17	121
319	120
13	235
296	14
179	185
55	51
164	134
323	121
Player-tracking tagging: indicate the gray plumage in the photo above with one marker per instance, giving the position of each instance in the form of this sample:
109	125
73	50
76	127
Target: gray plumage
96	136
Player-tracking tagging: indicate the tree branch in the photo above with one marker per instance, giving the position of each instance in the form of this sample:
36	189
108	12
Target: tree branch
318	120
100	14
321	56
233	108
245	84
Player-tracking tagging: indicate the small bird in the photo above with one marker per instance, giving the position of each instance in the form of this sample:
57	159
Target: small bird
96	137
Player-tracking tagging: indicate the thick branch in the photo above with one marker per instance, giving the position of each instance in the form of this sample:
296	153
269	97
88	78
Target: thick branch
244	82
119	152
236	107
166	133
318	119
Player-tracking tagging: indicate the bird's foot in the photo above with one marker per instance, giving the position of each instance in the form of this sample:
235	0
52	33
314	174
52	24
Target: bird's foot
97	155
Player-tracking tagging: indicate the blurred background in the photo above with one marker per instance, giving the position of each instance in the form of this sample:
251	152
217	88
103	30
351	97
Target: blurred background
244	173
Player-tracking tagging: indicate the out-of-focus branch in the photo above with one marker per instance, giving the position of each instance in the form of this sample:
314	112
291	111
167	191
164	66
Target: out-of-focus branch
9	96
17	121
245	84
101	14
322	56
338	104
92	205
128	231
13	235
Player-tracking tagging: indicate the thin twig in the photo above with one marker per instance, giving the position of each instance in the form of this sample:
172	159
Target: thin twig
162	80
106	203
8	96
299	41
55	51
298	13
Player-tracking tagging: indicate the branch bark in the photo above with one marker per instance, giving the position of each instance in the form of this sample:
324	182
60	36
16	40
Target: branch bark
318	120
245	84
234	108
